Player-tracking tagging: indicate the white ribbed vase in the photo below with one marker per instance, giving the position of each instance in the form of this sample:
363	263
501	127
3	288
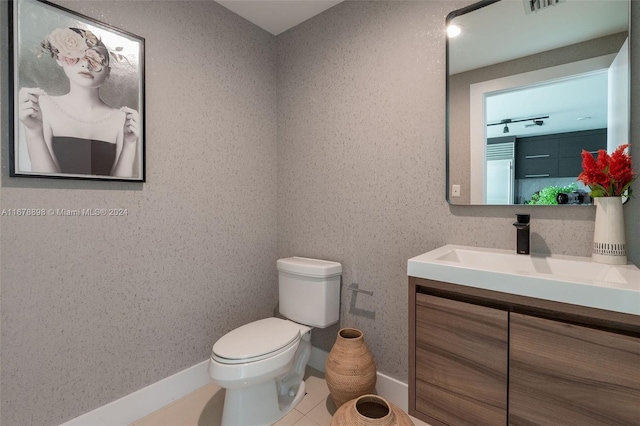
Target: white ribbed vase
608	237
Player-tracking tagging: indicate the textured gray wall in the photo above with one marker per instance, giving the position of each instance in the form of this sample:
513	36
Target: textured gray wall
361	162
96	308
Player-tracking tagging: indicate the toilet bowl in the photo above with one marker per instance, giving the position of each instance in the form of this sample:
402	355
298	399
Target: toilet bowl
262	364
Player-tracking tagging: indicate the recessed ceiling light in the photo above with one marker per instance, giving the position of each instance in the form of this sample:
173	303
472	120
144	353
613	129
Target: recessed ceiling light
453	31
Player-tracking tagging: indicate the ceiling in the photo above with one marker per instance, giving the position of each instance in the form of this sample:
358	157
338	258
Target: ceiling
277	16
502	32
571	104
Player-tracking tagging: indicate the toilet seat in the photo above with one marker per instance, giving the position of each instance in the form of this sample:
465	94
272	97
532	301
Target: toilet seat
256	341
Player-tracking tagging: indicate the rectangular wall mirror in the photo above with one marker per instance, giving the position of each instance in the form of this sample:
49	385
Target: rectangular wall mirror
530	84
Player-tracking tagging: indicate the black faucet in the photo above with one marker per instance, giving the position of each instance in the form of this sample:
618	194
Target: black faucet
522	226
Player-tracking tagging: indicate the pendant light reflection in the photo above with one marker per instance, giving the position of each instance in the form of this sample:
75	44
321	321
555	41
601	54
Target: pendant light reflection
453	31
506	122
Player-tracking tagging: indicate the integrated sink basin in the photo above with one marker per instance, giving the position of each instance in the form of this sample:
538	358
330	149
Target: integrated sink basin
567	279
572	269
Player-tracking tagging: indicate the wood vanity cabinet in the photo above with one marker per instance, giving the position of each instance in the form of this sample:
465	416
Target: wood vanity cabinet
461	362
566	374
479	357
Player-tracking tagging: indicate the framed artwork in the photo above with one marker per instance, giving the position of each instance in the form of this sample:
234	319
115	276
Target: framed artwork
77	94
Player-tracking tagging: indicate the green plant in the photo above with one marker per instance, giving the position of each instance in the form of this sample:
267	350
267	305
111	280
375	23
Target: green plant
548	196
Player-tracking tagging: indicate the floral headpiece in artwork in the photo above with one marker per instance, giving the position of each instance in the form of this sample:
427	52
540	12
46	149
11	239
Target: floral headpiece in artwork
70	45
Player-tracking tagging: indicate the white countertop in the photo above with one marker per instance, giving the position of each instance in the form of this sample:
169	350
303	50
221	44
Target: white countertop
567	279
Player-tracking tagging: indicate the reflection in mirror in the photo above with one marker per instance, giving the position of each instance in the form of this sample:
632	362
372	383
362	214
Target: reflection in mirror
527	91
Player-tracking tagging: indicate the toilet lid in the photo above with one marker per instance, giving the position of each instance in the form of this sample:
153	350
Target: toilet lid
256	339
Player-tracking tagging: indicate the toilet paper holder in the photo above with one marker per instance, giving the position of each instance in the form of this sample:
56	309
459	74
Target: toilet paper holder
352	306
354	287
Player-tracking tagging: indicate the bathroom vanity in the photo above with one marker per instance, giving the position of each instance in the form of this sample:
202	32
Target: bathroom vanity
499	338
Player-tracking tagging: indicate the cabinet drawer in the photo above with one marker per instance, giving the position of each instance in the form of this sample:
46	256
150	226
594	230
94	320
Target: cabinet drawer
570	151
537	168
573	146
537	148
570	167
564	374
461	362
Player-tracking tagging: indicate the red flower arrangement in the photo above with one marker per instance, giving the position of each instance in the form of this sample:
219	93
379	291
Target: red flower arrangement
609	175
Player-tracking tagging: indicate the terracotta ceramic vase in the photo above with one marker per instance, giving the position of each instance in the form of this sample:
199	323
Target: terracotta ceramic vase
608	237
350	370
370	410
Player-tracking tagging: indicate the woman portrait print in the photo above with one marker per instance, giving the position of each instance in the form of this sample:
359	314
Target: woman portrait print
78	133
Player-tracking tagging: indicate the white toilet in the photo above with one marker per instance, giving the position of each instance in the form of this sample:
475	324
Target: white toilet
261	364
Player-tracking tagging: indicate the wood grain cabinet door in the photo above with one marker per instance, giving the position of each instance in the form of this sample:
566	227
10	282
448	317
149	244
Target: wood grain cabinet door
461	362
563	374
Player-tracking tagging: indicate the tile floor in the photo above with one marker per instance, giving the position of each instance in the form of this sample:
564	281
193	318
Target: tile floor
204	407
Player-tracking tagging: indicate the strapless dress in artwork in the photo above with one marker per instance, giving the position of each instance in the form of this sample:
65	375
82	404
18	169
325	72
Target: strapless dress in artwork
84	156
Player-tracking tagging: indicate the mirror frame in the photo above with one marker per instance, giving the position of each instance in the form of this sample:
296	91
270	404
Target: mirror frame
462	11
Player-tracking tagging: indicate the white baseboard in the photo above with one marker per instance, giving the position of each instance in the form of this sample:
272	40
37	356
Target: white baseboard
387	387
393	390
145	401
138	404
318	358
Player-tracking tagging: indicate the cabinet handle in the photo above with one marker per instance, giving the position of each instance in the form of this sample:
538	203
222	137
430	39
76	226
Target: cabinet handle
537	156
593	152
537	176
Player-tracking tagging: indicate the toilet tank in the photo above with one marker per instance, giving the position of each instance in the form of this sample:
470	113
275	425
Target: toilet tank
309	290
